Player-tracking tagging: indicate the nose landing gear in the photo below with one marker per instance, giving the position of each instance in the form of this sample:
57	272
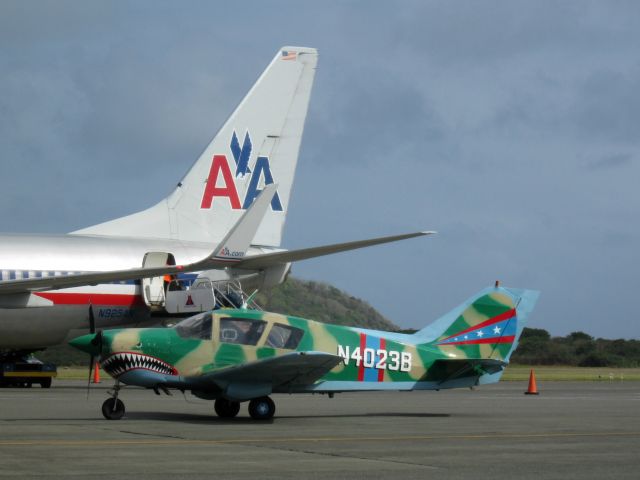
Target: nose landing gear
113	408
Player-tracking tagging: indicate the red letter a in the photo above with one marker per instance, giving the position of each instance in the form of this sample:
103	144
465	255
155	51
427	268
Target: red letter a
218	165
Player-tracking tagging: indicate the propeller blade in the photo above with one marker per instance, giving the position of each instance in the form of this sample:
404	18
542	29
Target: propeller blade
92	361
97	341
92	320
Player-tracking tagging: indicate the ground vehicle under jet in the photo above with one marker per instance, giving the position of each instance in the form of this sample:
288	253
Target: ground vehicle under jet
234	356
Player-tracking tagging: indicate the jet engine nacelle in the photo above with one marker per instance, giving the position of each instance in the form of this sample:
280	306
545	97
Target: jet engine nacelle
274	276
262	279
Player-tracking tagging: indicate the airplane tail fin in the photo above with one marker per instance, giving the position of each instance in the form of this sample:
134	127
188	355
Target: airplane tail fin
478	337
258	145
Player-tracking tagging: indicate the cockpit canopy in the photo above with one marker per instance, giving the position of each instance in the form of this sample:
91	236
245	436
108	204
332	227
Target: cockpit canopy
240	330
199	326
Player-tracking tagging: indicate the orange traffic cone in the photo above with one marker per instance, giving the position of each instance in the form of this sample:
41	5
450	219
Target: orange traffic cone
533	388
96	373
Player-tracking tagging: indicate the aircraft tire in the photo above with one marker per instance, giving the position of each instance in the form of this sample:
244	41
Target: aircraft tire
226	408
262	408
113	409
45	383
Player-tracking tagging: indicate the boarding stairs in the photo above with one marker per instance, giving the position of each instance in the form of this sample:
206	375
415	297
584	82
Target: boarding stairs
203	295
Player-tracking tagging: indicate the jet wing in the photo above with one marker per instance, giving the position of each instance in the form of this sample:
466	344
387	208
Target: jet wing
230	250
295	368
229	253
215	261
269	259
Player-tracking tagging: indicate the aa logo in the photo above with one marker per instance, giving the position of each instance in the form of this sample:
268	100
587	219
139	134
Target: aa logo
221	183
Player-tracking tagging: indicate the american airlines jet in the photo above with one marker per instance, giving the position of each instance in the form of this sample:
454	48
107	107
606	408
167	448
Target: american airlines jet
222	223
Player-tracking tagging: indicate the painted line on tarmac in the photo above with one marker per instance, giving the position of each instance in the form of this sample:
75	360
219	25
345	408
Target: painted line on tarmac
231	441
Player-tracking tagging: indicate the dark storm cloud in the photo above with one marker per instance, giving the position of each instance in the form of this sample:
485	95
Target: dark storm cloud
509	127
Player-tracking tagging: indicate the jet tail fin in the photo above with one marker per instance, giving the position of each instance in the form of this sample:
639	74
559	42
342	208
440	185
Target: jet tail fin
258	145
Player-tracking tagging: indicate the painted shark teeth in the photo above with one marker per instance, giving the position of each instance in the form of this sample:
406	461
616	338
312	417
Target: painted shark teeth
119	363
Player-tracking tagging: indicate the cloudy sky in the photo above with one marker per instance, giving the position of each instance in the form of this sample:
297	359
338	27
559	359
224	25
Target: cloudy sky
511	128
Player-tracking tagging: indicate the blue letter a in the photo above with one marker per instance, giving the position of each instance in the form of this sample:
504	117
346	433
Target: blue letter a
261	168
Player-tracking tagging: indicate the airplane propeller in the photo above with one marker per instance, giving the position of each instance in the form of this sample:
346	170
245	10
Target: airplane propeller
97	341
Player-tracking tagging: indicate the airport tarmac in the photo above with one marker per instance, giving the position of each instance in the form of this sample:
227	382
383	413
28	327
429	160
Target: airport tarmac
571	430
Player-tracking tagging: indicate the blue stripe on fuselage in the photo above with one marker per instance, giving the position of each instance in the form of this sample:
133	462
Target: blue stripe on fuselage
371	374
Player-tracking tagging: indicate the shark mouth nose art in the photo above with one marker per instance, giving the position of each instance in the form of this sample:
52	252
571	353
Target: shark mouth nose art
123	362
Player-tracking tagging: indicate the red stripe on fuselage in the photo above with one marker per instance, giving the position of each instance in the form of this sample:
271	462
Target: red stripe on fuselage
383	345
363	345
111	299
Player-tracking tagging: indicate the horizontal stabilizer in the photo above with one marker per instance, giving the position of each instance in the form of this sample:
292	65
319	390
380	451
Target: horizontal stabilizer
447	370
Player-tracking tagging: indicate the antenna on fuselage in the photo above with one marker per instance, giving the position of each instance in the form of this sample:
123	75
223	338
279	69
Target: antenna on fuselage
249	299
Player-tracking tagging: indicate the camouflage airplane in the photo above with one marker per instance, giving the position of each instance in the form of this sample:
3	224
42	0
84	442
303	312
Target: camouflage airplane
233	356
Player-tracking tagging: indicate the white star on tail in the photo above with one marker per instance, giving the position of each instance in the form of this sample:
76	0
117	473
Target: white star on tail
497	330
480	333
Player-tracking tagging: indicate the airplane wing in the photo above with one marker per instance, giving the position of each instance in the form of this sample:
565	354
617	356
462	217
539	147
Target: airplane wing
268	259
295	368
230	252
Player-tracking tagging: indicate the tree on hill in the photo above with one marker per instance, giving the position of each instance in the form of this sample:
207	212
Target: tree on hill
322	302
580	349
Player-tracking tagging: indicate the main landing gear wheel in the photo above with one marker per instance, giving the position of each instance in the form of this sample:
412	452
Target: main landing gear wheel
262	408
113	409
226	408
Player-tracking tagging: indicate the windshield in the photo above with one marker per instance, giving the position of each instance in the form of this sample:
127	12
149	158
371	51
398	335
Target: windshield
241	330
195	327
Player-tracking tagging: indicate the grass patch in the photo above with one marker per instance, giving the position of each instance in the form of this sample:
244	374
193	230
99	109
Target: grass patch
574	374
513	373
78	373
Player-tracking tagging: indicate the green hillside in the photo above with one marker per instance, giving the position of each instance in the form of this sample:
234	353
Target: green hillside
322	302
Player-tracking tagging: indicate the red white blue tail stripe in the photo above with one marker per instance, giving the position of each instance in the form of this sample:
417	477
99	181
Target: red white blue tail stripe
499	329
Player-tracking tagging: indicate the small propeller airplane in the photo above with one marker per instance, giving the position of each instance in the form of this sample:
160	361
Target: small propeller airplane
238	355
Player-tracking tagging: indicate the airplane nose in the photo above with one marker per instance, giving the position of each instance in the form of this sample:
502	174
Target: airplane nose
87	343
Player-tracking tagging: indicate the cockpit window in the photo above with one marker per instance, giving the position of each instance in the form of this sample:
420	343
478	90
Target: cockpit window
241	330
195	327
284	336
